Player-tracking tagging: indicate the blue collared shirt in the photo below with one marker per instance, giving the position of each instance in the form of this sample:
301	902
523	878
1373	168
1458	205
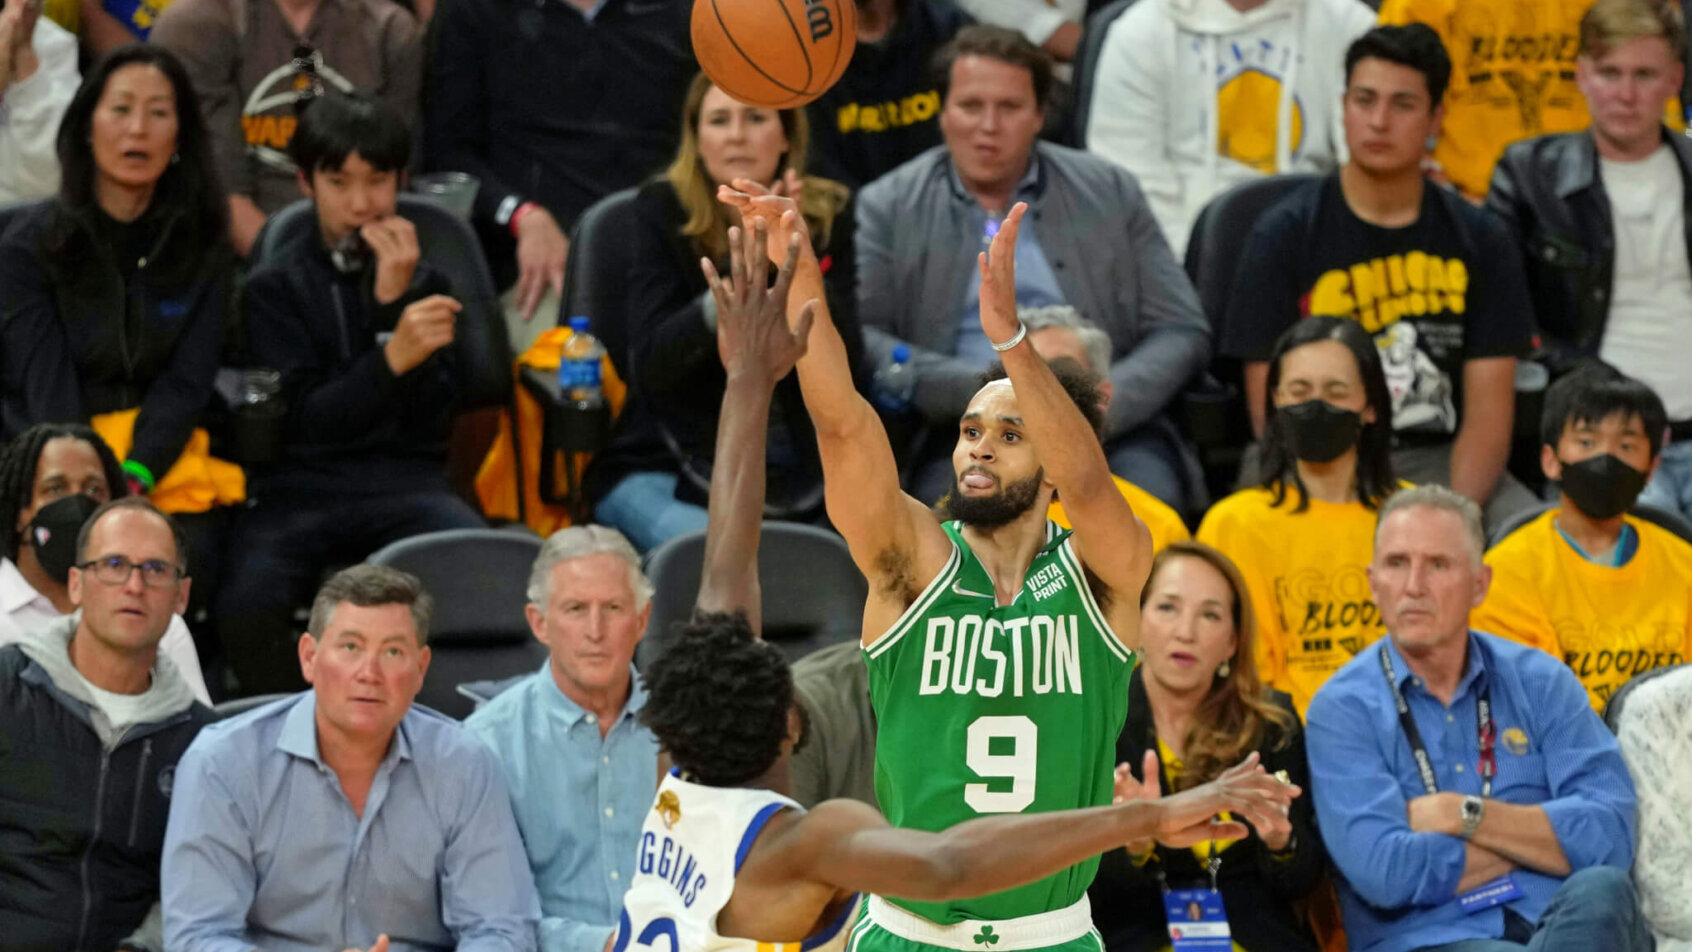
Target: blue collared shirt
1397	888
264	849
579	801
1036	282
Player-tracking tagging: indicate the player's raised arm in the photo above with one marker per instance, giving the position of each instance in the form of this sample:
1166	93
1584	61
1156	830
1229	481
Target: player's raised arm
848	845
1112	542
758	348
889	533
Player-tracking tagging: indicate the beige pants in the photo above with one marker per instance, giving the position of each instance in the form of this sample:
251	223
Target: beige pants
523	333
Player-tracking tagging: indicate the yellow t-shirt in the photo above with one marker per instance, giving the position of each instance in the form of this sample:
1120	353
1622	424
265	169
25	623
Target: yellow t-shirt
1307	574
1165	523
1609	623
1512	77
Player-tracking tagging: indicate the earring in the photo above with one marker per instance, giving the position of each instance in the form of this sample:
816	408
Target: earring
1225	668
175	157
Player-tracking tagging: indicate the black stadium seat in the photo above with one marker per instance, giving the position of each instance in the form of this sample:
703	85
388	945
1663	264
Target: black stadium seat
1613	707
478	578
813	594
1662	518
1086	67
595	276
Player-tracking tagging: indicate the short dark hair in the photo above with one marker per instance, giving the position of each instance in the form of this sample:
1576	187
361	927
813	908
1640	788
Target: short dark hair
1415	45
717	700
1596	392
22	461
336	124
143	504
367	586
996	43
1081	384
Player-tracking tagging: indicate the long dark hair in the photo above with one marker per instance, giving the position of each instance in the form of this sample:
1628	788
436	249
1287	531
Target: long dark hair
1375	481
189	183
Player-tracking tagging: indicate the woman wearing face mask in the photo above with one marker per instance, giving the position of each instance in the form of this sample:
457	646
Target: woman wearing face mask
1600	589
112	294
1304	538
52	478
651	481
1196	707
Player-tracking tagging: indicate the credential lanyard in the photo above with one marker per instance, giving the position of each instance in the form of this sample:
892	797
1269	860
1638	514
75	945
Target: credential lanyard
1424	764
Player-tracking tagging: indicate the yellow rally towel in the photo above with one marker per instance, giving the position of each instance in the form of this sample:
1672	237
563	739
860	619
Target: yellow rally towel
196	482
496	480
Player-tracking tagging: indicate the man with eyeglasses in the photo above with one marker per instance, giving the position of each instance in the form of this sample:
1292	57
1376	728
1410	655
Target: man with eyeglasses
92	722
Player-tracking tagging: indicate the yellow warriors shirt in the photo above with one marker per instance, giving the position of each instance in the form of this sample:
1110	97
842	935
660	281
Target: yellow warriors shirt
1608	623
1163	522
1307	575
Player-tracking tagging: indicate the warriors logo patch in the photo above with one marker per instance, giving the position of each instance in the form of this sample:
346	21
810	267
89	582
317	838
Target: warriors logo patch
669	808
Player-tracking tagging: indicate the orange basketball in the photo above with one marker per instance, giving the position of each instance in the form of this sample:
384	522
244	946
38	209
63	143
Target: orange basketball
774	53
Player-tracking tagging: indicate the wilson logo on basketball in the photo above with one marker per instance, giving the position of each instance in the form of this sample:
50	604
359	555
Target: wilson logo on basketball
776	54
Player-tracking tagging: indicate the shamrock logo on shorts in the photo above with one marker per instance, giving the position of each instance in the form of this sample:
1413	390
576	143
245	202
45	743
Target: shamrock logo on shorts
986	936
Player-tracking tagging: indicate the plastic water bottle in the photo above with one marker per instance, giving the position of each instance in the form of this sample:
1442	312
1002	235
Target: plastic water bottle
578	366
895	383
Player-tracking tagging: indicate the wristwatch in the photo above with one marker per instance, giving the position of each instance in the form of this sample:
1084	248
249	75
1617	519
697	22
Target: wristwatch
1471	811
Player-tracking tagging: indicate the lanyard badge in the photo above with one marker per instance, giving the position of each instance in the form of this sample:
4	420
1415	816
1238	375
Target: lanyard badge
1197	920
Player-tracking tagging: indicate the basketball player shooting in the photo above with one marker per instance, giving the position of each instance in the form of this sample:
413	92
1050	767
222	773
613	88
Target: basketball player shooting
999	645
727	861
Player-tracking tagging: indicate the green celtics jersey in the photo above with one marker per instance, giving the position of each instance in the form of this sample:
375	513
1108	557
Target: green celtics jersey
985	709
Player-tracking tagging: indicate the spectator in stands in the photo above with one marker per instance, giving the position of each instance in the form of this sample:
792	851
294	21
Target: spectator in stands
52	478
1091	243
651	482
1495	808
1601	218
364	336
1060	332
1434	279
1196	97
1195	705
1595	587
255	62
93	719
1656	741
1052	25
552	109
570	734
112	295
343	816
1513	78
1304	537
886	106
38	77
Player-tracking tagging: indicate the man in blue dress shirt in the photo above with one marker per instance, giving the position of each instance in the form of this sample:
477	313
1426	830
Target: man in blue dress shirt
344	817
581	768
1471	799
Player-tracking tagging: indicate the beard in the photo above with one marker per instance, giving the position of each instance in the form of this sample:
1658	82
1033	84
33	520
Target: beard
999	509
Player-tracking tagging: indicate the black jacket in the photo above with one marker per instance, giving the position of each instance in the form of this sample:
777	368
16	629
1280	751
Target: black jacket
81	828
669	423
79	340
1549	192
353	427
543	105
1258	889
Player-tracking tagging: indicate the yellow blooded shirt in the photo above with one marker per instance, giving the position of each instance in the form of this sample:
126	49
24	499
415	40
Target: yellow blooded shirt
1307	574
1163	522
1608	623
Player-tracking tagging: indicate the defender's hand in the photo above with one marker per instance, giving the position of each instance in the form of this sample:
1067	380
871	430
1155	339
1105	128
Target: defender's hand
753	336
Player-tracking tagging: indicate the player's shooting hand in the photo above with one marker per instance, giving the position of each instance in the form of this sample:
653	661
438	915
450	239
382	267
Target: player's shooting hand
998	279
753	336
779	212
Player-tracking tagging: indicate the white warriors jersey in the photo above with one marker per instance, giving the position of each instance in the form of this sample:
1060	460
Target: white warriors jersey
692	844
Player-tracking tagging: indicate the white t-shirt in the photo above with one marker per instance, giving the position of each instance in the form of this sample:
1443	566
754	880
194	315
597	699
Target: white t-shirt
23	609
123	711
1650	320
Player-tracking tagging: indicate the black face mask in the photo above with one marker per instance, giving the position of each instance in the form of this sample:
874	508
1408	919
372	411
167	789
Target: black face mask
1602	487
1319	432
52	533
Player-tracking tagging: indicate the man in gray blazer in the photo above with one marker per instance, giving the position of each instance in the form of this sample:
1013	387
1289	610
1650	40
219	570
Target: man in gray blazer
1089	241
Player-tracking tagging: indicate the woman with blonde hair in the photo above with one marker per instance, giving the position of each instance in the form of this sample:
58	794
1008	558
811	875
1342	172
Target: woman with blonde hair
1196	707
652	481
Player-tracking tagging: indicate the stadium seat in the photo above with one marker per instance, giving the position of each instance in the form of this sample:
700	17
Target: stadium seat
1665	519
242	705
1086	66
596	273
1613	707
1661	518
813	594
449	246
478	578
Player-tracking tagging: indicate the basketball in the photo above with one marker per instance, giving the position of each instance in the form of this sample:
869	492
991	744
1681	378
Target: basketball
777	54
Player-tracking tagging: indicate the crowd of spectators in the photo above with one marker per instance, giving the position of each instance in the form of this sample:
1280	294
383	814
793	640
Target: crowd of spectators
1454	349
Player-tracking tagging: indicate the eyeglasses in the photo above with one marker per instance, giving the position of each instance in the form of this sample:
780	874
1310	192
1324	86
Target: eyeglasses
115	570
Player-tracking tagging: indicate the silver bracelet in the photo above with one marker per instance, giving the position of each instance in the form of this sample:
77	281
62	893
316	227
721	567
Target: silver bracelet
1021	332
